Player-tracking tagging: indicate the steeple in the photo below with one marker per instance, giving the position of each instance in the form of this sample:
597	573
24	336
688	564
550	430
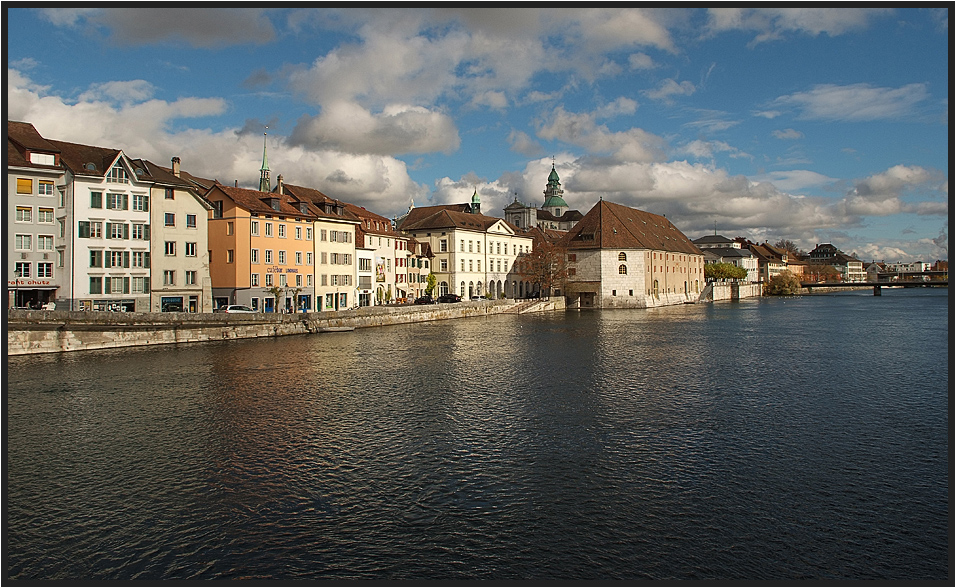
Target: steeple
475	203
553	195
264	182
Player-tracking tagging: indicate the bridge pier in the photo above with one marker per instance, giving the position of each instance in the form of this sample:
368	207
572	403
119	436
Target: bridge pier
876	290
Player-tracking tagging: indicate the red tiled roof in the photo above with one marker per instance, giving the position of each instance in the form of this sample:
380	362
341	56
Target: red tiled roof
259	202
23	137
614	226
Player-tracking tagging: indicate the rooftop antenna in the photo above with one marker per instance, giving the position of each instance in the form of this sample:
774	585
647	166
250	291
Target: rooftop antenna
715	228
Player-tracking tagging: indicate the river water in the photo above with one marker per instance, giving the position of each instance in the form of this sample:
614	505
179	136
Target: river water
770	439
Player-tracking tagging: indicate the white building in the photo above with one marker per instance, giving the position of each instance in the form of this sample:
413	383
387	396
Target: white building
34	239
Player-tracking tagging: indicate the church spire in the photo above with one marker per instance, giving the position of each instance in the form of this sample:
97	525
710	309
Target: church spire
264	182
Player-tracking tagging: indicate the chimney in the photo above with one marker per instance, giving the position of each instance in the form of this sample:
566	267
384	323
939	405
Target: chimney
237	183
176	166
279	185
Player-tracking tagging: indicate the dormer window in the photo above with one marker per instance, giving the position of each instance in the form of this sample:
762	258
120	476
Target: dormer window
303	208
118	175
274	203
42	158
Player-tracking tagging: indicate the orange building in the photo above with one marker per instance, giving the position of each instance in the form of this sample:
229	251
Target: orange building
261	250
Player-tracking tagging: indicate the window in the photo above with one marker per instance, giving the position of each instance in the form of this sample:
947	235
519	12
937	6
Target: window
24	186
90	230
282	280
190	278
268	280
44	242
170	219
44	270
268	256
169	194
24	242
462	245
365	264
254	256
141	202
298	280
170	248
308	233
298	232
622	269
117	231
140	285
444	265
254	228
230	228
96	258
96	285
190	250
96	200
254	280
469	246
190	221
622	256
572	257
140	232
230	256
116	259
118	285
322	235
282	231
118	175
308	258
268	229
298	258
141	259
24	214
282	258
471	266
169	277
308	280
117	201
62	202
45	215
45	188
443	245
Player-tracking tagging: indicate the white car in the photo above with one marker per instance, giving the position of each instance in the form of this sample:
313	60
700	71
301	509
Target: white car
235	308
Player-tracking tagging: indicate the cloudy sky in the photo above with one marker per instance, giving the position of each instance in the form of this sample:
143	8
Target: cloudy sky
808	124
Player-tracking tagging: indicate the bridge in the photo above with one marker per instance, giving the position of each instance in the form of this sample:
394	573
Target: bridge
877	286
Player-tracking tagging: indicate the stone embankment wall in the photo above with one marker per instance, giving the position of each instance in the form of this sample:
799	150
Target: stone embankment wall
723	291
53	331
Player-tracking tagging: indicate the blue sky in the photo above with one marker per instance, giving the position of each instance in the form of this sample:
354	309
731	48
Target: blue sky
809	124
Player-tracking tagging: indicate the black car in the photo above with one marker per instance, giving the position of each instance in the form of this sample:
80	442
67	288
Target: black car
425	300
449	298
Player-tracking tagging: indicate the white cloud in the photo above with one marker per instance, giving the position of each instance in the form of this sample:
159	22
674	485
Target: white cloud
620	106
794	180
706	149
198	27
522	143
669	88
344	126
640	61
377	181
855	102
773	23
787	134
882	194
581	129
120	91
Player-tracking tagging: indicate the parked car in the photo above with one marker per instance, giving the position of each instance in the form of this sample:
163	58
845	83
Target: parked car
449	298
235	308
424	300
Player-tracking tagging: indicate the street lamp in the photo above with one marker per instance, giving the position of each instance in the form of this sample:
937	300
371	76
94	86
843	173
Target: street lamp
16	287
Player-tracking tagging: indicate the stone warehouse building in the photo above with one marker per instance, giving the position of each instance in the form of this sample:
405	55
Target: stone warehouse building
621	257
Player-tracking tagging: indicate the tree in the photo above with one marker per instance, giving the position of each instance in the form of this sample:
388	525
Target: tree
782	284
545	265
276	292
789	246
824	273
724	271
430	282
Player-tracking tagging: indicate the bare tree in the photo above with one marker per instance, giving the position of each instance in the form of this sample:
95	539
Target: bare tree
545	266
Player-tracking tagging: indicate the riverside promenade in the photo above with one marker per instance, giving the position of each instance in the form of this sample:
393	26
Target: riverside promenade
30	332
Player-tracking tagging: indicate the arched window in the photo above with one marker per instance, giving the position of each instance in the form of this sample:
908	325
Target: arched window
622	269
622	257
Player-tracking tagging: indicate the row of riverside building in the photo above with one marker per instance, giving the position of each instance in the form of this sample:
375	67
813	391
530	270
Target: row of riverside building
91	228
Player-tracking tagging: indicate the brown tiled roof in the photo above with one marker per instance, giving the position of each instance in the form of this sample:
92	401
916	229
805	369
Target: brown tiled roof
567	217
447	217
614	226
318	200
23	137
416	215
159	174
258	202
75	157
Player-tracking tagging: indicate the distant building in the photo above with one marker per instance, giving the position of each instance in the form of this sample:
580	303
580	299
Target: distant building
620	257
851	269
553	214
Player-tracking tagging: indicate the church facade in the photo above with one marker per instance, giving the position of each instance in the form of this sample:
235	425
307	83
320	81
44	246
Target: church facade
554	214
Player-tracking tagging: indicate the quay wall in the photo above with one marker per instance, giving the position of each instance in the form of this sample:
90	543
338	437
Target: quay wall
53	331
724	291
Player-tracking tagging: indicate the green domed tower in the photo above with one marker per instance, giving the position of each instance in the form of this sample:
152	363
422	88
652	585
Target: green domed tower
553	202
475	203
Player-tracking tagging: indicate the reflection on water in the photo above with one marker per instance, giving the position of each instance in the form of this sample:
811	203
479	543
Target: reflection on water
770	439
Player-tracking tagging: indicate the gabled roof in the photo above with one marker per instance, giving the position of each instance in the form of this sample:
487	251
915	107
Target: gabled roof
728	251
615	226
23	138
78	158
449	217
259	202
159	175
320	202
712	240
